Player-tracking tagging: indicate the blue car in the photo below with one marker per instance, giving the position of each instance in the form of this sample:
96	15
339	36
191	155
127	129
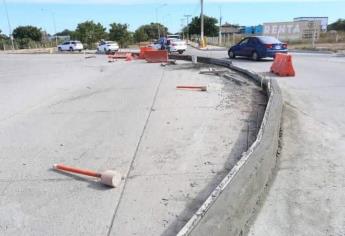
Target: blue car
257	47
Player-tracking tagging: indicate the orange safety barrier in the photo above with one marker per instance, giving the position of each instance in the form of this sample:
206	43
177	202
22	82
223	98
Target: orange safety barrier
143	50
282	65
156	56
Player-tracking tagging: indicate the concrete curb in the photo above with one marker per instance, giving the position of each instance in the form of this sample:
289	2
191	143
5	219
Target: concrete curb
231	207
201	49
311	51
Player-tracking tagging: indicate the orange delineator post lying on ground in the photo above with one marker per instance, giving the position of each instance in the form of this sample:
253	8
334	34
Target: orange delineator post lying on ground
143	50
282	65
156	56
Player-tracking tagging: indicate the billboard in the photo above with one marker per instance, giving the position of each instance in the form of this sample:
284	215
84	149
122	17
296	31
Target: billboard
295	30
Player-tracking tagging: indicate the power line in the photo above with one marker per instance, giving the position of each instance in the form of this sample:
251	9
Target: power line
9	24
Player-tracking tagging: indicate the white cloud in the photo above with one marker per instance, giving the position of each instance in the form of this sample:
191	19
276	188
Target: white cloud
130	2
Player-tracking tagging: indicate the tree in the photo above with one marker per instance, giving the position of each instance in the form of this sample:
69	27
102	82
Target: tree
119	33
65	32
140	35
210	26
27	33
89	32
150	31
338	25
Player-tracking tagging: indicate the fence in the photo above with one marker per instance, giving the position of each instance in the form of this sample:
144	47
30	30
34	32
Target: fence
328	37
6	44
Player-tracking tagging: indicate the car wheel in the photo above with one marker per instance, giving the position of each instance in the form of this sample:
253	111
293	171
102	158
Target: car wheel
71	49
59	49
255	56
231	54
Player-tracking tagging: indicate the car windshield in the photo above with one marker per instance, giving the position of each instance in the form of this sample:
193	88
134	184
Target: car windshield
111	42
269	40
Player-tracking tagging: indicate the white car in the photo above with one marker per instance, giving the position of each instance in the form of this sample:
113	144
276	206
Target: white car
177	45
71	46
107	46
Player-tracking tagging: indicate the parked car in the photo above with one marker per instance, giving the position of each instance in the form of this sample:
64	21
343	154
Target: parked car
71	46
107	46
257	47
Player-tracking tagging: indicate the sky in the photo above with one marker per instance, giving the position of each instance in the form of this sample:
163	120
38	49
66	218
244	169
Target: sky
68	13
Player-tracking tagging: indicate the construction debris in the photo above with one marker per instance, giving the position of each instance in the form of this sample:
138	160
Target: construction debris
214	72
170	62
234	79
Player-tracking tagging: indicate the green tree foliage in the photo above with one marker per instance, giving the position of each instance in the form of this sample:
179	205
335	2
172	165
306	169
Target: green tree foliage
89	32
210	26
338	25
27	33
65	32
27	36
149	32
119	33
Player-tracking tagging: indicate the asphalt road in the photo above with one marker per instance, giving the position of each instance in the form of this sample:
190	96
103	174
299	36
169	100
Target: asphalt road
307	195
172	146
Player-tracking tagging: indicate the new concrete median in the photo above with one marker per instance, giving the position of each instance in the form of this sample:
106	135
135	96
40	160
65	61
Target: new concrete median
231	207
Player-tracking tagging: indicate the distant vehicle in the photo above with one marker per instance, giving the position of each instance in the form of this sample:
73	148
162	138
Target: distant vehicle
257	47
173	36
170	44
107	46
71	46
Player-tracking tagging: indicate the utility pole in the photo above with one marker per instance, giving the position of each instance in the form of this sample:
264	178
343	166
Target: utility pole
220	26
54	23
182	25
202	24
160	6
9	24
187	16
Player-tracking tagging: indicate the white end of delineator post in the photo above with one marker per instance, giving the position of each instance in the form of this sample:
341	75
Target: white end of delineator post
111	178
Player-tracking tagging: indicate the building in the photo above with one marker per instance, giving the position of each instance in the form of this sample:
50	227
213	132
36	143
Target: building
323	20
229	29
253	30
293	31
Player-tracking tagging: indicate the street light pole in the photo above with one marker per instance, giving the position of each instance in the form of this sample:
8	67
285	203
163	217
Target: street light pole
54	23
162	5
9	24
187	16
202	24
220	25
